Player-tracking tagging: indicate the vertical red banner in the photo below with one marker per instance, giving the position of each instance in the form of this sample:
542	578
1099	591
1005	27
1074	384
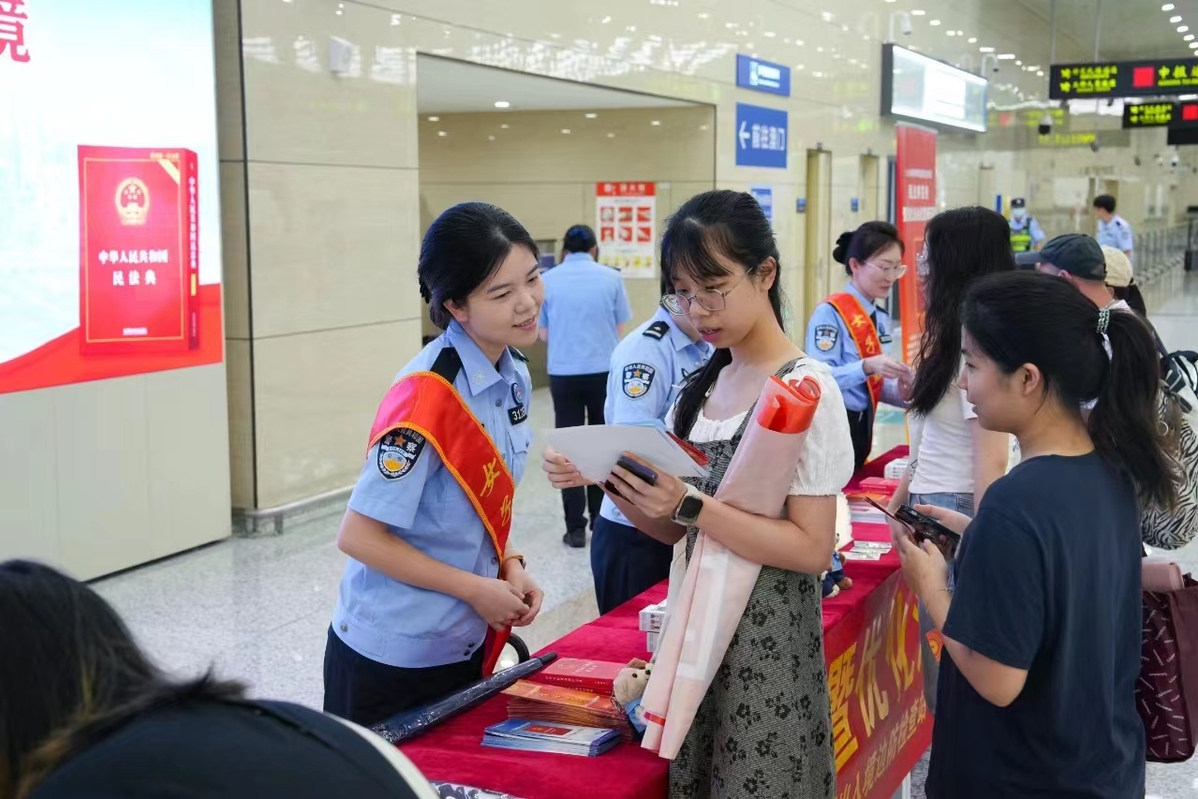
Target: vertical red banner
915	190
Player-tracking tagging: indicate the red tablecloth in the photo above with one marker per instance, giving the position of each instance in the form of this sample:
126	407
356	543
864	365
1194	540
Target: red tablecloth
453	752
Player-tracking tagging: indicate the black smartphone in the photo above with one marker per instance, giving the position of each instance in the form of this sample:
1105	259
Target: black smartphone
640	470
923	527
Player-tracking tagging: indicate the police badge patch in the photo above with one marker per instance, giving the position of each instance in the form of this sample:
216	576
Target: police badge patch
825	337
637	379
519	413
398	451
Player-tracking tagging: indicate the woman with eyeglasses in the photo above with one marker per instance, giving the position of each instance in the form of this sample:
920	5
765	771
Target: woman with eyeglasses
848	330
764	727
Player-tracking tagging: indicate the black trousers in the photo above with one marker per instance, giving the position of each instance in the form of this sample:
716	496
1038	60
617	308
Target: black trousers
861	429
625	562
366	692
578	400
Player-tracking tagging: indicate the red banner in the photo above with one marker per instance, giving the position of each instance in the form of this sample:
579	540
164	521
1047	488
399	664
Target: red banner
880	720
915	170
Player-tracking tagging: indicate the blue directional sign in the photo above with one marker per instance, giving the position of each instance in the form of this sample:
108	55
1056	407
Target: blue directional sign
765	198
761	136
762	76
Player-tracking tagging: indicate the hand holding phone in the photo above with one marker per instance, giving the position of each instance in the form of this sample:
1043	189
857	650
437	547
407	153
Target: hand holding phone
923	528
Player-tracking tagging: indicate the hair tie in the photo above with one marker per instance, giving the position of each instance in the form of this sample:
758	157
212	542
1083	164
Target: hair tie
1104	321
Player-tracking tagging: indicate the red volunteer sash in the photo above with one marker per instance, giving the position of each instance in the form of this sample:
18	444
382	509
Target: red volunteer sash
864	334
428	404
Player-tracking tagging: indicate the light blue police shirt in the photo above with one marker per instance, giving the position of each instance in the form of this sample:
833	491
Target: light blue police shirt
584	301
829	340
1033	227
1116	233
645	376
418	499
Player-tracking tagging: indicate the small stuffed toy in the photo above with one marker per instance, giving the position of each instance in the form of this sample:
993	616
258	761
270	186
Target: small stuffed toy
630	687
834	580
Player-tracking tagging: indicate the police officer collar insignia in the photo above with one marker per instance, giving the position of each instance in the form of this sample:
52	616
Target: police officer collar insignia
519	356
657	330
519	413
825	337
637	378
398	451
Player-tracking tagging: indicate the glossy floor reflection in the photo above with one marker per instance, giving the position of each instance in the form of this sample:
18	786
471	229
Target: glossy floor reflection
257	609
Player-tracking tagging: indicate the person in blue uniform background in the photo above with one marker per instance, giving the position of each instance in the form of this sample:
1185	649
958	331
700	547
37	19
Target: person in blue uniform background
873	258
1113	230
647	369
1026	233
424	582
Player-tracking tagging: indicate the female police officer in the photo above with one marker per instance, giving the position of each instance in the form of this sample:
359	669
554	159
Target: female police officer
433	584
848	329
647	369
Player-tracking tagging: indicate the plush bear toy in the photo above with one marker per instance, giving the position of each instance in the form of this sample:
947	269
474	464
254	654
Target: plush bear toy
630	687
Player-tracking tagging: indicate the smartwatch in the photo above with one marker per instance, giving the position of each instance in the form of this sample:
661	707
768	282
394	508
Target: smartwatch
689	508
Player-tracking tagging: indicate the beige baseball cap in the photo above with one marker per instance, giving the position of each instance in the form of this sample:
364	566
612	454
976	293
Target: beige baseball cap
1118	268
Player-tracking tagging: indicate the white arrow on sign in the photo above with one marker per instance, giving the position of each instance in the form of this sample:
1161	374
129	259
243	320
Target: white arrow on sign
744	134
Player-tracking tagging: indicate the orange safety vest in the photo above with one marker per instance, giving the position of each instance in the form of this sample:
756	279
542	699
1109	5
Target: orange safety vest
427	403
864	334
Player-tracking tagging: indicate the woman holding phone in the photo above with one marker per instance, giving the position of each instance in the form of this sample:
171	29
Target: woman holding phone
1042	628
764	727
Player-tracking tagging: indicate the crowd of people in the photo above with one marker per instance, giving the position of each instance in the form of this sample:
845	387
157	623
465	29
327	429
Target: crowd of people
1033	694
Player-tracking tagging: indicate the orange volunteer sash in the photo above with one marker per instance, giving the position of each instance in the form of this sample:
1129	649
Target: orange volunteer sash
427	403
864	334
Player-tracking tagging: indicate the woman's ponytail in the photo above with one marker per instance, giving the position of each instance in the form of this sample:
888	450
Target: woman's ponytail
1124	423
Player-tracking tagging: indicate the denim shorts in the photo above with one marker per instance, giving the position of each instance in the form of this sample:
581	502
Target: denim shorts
961	503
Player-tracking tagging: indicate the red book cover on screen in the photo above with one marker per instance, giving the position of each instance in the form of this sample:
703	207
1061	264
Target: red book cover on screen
138	250
596	676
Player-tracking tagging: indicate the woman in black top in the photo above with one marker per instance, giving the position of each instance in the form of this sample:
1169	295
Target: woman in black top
1042	626
83	713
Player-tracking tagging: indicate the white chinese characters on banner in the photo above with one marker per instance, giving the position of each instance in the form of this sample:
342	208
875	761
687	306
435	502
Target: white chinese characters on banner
626	213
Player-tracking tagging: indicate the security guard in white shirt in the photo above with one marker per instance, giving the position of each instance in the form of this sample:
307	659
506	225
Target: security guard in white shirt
1113	230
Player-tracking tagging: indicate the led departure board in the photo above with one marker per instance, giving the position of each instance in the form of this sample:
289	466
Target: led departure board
1149	115
1123	78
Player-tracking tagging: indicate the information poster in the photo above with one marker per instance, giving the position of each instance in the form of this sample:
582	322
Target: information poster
915	167
109	203
626	215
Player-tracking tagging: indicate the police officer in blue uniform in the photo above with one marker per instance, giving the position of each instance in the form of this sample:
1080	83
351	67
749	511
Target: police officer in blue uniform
1113	230
873	258
647	369
424	583
1026	233
582	320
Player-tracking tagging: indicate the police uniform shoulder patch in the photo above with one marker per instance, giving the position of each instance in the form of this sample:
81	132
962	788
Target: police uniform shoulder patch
657	330
519	356
826	336
637	378
398	451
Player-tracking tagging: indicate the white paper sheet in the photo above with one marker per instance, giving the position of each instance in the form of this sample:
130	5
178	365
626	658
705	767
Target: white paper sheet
594	449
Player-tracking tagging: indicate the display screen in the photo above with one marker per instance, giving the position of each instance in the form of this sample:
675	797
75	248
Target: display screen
1149	115
1124	78
924	89
109	203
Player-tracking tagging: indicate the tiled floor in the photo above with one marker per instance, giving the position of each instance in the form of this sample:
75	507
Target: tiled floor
257	609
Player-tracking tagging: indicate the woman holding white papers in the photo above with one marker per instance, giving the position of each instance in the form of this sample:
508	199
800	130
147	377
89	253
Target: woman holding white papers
763	728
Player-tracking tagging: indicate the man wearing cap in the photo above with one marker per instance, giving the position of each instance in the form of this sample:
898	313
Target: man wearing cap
1026	233
1077	259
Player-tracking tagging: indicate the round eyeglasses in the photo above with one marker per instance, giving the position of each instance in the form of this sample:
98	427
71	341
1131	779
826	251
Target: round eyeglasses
708	299
889	270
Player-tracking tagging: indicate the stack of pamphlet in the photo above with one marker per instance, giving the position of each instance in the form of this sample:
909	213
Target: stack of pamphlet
566	706
540	736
